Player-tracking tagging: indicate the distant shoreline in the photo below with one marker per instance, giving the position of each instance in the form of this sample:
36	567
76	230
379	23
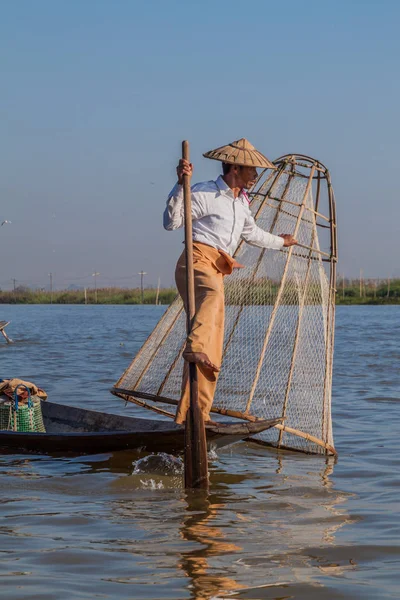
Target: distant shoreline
349	295
90	296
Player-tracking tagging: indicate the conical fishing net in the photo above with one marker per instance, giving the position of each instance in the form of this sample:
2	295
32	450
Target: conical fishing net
279	323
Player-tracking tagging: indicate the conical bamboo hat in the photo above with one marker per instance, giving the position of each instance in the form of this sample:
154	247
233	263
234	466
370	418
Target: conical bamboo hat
242	153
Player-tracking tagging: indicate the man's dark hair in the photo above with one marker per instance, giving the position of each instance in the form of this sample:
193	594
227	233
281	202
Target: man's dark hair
226	168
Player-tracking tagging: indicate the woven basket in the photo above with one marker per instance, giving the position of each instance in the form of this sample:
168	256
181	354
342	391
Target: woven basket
16	416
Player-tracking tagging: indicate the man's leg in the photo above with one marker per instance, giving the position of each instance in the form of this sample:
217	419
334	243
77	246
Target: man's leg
207	334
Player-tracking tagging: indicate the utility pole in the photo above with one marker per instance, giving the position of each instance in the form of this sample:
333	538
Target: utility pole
361	274
51	287
95	274
158	290
142	274
14	282
343	286
388	288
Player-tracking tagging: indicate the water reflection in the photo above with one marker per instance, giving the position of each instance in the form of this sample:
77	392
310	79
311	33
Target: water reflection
270	517
243	542
198	526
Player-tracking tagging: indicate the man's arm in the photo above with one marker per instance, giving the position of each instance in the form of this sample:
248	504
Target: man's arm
174	212
256	236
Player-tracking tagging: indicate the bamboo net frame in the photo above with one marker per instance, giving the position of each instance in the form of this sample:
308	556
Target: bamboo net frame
280	309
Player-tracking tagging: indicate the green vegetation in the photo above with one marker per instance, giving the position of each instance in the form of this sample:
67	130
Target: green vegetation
348	292
104	296
369	291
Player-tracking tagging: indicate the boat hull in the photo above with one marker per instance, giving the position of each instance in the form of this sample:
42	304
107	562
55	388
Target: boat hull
75	430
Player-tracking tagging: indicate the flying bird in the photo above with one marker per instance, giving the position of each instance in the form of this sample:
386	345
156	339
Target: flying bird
5	223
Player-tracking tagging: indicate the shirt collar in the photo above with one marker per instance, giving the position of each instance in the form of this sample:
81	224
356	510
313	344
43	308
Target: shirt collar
225	189
222	187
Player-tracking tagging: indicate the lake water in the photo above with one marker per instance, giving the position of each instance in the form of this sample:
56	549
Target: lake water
277	525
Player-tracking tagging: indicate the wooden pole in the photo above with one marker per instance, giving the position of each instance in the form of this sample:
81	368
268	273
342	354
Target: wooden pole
95	274
142	274
158	290
196	463
51	287
330	324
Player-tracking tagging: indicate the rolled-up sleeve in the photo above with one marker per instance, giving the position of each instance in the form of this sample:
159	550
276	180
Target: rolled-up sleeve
174	213
256	236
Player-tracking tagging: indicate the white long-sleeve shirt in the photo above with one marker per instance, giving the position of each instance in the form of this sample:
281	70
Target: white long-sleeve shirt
219	219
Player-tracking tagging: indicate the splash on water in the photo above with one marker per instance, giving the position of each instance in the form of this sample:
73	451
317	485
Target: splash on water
152	485
212	454
160	463
159	471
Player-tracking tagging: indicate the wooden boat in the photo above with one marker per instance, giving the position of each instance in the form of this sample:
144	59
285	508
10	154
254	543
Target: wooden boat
82	431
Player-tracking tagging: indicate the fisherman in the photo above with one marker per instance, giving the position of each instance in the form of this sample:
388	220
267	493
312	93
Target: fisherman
221	216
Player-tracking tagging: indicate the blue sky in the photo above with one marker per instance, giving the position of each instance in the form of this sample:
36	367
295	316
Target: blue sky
96	97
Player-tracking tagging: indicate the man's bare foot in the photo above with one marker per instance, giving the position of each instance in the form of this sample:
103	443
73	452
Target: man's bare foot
201	359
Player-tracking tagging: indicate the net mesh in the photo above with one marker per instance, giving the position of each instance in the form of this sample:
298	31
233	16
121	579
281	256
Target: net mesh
279	322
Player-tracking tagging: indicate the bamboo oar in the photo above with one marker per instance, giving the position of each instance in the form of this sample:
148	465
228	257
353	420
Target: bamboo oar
196	463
